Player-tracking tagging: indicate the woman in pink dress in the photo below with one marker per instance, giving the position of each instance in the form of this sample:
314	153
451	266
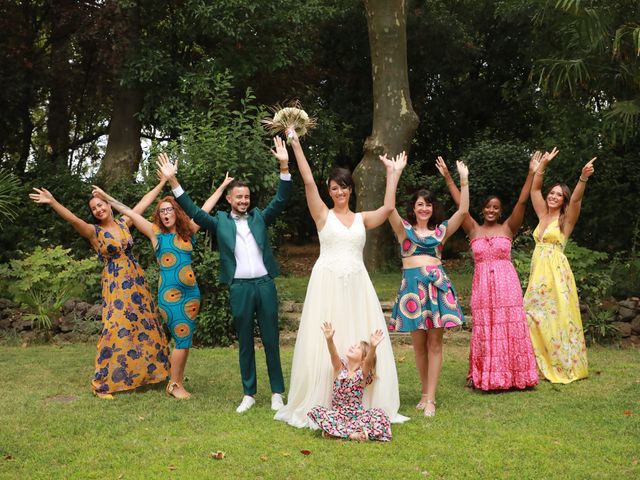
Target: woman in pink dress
500	354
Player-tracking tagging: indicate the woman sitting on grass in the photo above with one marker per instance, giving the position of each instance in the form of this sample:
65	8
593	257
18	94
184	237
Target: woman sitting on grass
347	417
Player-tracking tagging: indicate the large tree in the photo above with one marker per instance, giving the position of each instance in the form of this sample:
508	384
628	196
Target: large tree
394	121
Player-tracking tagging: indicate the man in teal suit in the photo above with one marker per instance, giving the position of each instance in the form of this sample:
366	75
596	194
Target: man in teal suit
248	266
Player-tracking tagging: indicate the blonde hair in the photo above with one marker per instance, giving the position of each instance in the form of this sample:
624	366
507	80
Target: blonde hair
365	346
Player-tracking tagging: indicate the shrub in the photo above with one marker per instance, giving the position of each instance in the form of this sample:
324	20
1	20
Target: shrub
214	321
44	279
625	274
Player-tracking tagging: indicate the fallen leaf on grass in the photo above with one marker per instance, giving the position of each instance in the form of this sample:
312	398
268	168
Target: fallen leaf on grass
8	457
141	418
218	455
24	345
628	413
286	454
401	359
172	467
305	452
425	473
635	461
264	458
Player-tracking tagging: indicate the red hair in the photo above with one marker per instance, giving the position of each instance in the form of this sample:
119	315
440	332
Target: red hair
183	223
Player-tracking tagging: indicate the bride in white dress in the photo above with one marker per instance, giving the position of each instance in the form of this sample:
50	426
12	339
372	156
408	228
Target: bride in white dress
340	292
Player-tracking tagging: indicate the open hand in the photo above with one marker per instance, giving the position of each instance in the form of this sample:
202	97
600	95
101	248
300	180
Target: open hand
442	167
168	169
463	171
328	330
42	195
588	169
99	193
280	150
535	161
376	338
395	164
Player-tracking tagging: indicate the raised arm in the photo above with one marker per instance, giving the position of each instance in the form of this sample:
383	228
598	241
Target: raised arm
539	204
468	224
141	223
211	202
317	208
514	222
370	359
463	209
43	196
394	167
575	203
395	220
328	331
146	201
200	217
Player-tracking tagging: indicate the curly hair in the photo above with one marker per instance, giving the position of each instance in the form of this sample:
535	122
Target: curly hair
183	223
437	215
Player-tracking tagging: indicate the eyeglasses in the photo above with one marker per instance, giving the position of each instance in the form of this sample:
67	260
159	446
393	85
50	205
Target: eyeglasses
166	210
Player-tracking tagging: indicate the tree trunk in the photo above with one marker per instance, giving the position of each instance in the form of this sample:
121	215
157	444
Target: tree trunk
394	121
123	154
59	117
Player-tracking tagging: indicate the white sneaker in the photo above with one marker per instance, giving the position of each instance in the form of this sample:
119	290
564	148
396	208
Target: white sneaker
276	402
247	402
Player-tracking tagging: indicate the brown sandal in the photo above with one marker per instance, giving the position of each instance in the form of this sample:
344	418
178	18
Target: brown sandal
171	386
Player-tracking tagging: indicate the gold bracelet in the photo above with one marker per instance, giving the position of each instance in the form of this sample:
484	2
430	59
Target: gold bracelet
584	180
539	173
464	184
449	182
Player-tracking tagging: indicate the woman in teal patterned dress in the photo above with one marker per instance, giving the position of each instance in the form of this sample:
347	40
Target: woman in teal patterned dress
172	235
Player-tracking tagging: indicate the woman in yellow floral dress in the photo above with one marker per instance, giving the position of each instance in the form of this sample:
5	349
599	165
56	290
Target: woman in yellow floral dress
132	349
551	300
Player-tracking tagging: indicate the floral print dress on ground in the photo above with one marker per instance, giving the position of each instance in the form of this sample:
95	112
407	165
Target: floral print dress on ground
132	349
347	414
500	353
553	312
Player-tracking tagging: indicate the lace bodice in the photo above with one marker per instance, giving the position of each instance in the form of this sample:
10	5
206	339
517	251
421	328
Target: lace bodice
341	247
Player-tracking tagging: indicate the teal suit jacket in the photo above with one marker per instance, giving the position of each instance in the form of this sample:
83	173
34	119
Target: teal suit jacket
224	228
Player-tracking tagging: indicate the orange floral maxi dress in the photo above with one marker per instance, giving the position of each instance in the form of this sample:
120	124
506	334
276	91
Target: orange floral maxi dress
553	311
132	349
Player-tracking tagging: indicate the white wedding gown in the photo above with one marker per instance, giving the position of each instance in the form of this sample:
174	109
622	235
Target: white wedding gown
339	292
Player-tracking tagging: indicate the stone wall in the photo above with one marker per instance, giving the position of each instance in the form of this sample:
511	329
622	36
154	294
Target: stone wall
627	321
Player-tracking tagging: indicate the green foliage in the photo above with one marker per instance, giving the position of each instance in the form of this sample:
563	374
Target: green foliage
598	327
46	278
46	272
625	272
495	168
8	195
214	325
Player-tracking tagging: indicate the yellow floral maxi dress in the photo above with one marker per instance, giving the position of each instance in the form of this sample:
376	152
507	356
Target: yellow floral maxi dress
553	311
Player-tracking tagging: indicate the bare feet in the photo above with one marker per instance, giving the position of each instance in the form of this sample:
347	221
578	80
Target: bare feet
362	436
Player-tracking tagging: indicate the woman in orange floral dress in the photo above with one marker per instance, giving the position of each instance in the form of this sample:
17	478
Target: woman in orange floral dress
132	350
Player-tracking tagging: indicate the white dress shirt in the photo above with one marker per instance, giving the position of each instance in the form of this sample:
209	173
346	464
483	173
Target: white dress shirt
249	263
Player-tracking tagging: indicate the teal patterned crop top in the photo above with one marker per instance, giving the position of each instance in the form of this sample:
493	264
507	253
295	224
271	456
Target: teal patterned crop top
415	245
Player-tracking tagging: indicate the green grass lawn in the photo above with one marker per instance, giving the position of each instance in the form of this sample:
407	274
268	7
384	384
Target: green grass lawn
52	427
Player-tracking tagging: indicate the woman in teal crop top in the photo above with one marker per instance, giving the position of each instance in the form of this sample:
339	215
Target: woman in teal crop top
427	303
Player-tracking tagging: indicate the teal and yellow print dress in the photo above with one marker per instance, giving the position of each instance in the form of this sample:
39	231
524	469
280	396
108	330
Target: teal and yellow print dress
132	349
178	292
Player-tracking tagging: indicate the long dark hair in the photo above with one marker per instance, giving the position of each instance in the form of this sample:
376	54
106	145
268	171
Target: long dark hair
566	197
437	215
